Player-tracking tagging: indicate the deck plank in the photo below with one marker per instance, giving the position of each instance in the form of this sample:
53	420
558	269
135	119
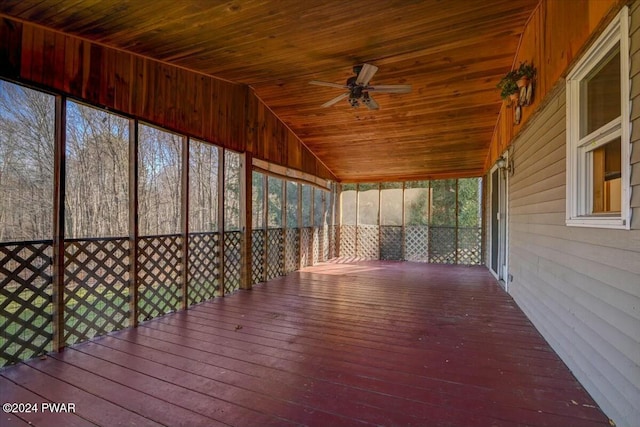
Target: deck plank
365	343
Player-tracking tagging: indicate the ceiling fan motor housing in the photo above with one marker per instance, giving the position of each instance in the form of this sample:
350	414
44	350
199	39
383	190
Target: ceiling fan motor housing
356	91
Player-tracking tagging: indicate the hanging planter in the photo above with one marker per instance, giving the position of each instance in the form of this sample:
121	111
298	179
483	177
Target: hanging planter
523	82
517	87
508	86
525	74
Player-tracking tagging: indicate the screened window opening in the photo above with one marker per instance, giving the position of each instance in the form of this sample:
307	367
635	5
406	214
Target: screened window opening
203	186
292	204
307	200
348	204
437	221
319	208
274	201
26	163
97	173
231	190
257	201
159	181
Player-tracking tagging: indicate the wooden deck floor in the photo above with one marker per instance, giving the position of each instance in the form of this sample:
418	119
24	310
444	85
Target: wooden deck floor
382	343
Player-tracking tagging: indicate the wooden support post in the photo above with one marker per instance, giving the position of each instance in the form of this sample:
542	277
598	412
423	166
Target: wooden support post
184	213
483	223
404	225
457	222
134	231
265	222
245	221
300	222
338	220
312	209
322	227
284	226
357	246
59	171
379	222
330	213
335	219
221	188
429	221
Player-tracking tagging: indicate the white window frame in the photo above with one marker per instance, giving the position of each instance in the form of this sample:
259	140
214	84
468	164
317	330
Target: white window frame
579	174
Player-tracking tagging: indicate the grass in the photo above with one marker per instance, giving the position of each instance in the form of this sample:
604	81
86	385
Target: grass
91	308
82	307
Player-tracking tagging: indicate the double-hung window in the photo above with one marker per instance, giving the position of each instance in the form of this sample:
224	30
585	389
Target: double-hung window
598	120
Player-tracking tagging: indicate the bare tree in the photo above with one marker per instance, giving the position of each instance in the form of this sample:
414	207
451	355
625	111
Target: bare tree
96	191
231	190
159	181
203	187
97	173
26	163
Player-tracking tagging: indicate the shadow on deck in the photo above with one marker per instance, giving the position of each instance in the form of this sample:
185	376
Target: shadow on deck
341	343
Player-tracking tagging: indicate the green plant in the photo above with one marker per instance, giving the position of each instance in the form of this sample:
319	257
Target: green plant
525	70
507	84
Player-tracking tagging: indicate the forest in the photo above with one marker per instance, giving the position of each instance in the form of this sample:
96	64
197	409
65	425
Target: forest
97	173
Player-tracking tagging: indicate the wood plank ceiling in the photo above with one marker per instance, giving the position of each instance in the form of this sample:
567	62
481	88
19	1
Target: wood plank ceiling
452	52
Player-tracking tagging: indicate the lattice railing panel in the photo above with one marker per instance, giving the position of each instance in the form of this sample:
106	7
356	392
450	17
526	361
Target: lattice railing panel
257	256
204	266
25	300
416	240
347	241
442	245
470	246
292	250
306	246
391	242
368	242
96	279
333	241
232	260
275	253
326	242
316	246
159	275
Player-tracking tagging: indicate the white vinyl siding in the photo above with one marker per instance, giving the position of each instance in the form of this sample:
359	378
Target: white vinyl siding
579	286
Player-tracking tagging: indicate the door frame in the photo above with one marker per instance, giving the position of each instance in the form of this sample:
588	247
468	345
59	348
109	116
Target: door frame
502	273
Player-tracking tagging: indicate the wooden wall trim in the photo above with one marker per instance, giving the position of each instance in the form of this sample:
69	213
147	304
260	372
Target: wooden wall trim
179	100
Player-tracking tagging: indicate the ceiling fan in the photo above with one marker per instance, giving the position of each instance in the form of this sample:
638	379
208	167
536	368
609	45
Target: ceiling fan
358	88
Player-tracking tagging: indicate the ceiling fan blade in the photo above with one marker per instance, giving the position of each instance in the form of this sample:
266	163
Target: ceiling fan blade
335	100
390	88
319	83
370	103
365	74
